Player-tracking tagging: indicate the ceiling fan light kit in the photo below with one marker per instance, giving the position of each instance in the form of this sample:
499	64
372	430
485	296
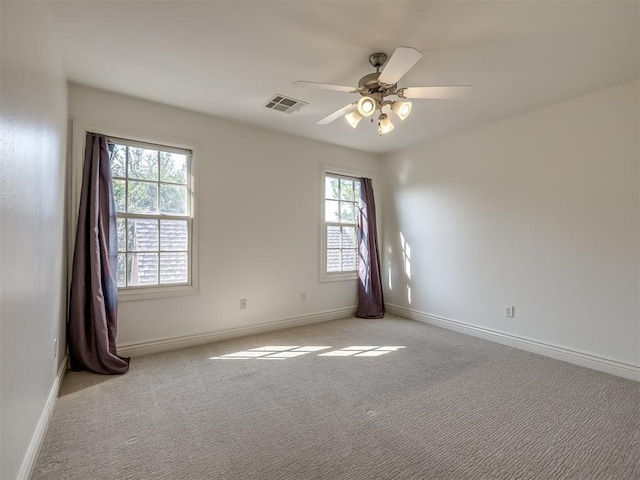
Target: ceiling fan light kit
366	106
384	124
401	109
353	118
375	87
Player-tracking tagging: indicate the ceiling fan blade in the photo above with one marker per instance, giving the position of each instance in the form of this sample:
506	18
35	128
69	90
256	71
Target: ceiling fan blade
324	86
400	63
454	91
337	114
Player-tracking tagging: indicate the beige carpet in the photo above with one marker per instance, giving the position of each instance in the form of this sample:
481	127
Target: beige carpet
447	406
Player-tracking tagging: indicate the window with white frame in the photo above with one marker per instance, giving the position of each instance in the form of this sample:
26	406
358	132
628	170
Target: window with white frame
340	236
152	187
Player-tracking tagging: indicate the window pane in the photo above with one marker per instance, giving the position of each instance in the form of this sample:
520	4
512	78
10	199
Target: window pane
347	212
346	189
120	271
143	235
356	191
122	234
119	189
348	260
331	211
174	235
142	269
143	197
348	237
173	167
173	199
143	163
331	188
118	161
150	184
333	260
333	237
173	267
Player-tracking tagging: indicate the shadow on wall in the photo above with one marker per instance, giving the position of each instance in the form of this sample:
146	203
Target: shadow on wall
405	252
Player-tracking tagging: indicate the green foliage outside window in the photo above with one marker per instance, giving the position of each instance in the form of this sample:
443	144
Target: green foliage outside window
156	181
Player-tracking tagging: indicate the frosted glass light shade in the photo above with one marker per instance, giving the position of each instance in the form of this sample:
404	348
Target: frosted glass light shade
384	124
353	118
366	106
402	109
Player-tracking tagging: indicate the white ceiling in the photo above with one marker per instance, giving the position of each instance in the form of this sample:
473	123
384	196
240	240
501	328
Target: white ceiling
227	58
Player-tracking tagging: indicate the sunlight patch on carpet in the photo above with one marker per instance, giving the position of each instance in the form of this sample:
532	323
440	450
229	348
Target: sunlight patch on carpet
281	352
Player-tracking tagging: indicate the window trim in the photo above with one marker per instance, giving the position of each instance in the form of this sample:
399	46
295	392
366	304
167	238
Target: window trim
338	171
79	134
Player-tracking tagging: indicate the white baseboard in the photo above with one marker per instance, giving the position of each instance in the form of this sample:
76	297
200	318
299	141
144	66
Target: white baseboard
172	343
584	359
29	460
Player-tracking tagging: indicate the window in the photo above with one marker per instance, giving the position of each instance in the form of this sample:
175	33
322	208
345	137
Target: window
153	191
340	236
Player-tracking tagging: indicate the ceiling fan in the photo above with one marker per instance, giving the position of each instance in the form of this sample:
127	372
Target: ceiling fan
374	89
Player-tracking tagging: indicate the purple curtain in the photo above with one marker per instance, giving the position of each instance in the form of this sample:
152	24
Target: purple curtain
93	303
370	299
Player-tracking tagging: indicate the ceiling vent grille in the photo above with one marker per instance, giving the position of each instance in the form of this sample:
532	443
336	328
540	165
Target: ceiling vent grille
285	104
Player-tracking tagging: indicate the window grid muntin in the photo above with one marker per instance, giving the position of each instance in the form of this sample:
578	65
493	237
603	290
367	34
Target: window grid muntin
339	199
158	216
127	251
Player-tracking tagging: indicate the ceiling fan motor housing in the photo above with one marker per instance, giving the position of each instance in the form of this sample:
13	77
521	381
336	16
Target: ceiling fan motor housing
370	81
369	84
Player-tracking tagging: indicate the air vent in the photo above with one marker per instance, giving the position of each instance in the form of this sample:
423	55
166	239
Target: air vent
285	104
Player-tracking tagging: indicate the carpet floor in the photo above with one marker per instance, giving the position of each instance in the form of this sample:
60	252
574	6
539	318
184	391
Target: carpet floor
348	399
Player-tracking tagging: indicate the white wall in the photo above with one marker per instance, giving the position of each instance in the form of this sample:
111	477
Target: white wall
259	219
33	100
538	211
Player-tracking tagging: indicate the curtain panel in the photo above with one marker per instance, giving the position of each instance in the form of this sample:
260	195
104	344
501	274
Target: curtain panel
370	298
93	302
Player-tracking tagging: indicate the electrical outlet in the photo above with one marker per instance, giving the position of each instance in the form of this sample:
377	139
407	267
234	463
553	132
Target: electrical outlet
303	296
55	348
509	311
243	304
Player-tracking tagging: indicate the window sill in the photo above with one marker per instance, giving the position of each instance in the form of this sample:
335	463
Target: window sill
338	277
156	293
